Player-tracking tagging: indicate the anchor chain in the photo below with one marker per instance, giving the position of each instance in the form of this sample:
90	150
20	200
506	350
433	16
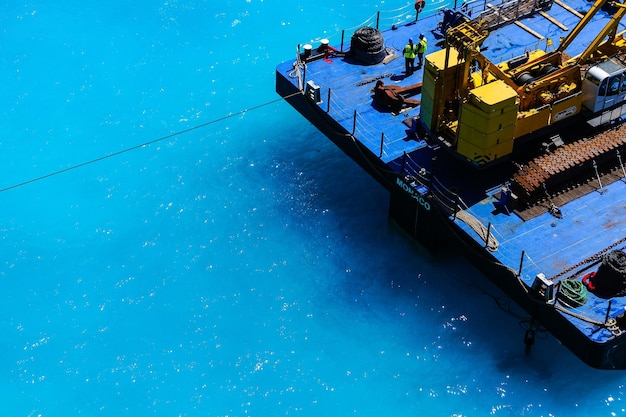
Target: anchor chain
593	258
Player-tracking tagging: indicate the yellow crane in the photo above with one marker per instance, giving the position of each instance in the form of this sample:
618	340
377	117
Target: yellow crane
478	108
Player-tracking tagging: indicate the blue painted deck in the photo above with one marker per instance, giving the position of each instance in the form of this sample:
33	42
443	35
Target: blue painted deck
351	89
550	245
590	223
351	85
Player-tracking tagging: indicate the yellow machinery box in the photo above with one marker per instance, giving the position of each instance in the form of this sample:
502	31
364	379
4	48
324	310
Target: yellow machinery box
493	97
438	84
488	122
428	84
426	110
435	78
532	120
565	108
484	140
535	119
436	61
482	156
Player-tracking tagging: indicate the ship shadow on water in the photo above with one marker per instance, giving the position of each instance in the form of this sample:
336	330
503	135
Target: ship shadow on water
496	326
433	311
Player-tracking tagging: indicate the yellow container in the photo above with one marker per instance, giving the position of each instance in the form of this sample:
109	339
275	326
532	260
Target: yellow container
488	122
437	60
426	110
482	156
493	97
438	84
429	84
485	140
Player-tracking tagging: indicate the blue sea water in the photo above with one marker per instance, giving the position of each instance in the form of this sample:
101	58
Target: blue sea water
245	267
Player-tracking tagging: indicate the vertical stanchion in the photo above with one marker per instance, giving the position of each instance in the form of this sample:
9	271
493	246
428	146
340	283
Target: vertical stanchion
595	167
619	158
608	311
343	32
328	102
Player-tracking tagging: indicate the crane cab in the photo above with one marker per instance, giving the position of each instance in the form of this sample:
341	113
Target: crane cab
604	85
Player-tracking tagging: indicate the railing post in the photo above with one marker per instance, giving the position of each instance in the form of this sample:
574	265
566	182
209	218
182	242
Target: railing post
328	102
343	32
382	142
608	311
619	158
488	235
377	18
521	264
354	123
595	167
498	10
403	162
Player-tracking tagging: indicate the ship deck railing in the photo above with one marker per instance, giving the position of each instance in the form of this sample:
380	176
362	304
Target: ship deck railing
347	97
385	136
385	19
558	248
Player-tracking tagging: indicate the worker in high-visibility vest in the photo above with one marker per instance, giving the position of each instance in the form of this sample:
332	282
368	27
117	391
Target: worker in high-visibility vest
421	50
409	57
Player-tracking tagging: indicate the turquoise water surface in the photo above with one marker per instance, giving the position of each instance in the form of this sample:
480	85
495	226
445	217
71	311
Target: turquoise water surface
245	267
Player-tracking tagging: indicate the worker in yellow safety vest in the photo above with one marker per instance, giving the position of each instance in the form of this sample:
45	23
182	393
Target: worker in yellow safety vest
421	50
409	57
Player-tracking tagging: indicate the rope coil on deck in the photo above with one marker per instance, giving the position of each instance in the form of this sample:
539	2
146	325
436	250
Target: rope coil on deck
572	293
476	225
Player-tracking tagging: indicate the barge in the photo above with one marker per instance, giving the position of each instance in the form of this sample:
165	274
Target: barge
506	144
